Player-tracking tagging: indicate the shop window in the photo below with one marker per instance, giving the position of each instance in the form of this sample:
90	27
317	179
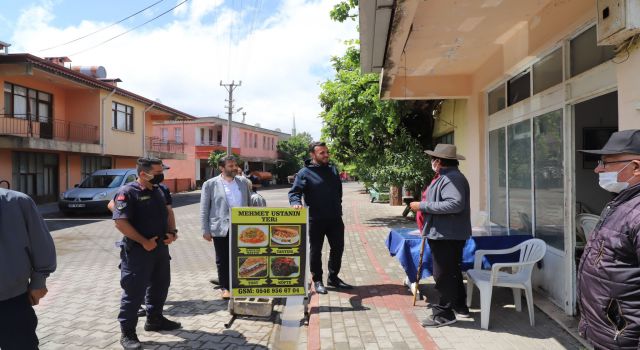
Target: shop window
519	88
586	54
519	176
549	178
497	99
548	71
498	181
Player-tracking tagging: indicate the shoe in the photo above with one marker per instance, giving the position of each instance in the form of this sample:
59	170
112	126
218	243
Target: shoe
226	295
461	311
215	281
320	289
142	312
336	282
160	323
435	322
129	340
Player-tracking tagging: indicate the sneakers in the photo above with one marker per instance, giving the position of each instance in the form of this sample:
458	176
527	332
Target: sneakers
435	322
160	323
320	289
129	340
461	311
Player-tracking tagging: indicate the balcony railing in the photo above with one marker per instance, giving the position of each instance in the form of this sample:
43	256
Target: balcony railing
208	143
25	125
156	144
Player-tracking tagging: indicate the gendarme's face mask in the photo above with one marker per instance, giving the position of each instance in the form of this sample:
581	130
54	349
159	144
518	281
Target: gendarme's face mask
609	181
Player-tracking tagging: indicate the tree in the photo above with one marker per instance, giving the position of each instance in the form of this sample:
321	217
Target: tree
384	140
293	152
214	156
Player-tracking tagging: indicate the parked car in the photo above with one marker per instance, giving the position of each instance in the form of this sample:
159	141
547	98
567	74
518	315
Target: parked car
95	192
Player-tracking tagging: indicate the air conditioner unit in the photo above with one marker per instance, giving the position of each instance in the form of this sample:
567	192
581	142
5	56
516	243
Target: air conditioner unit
618	20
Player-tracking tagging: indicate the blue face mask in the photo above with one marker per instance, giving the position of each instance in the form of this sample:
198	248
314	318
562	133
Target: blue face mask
609	181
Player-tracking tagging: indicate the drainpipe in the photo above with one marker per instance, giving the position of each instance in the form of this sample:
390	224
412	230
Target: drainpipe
102	118
144	126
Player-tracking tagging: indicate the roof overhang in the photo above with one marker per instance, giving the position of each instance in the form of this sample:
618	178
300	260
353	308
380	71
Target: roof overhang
439	49
375	20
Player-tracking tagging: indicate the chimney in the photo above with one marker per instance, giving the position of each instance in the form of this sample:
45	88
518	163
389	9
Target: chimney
4	46
58	60
111	81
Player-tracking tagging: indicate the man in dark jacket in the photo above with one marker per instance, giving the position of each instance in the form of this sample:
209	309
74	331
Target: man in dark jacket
319	183
609	270
447	226
27	257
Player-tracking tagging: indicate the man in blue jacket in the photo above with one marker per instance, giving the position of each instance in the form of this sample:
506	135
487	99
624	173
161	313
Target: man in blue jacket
27	257
447	227
319	183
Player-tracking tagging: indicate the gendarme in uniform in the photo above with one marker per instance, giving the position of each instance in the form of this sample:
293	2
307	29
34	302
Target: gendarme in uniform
146	211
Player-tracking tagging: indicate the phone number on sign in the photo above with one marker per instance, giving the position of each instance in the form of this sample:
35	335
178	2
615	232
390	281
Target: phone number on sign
270	291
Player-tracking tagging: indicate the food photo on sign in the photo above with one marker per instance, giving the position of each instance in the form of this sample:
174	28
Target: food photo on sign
252	236
285	266
285	235
252	267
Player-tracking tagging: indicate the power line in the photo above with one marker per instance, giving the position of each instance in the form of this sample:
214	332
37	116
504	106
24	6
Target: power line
130	30
103	28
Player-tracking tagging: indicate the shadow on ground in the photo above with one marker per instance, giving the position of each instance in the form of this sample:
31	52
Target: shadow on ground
206	340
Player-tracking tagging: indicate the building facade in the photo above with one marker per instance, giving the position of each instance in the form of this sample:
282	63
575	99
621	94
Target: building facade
255	145
58	125
525	85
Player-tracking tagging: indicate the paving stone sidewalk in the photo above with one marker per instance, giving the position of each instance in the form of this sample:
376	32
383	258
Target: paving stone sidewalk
81	308
378	313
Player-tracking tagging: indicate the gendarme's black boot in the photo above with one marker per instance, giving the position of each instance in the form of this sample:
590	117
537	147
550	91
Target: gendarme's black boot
157	323
129	340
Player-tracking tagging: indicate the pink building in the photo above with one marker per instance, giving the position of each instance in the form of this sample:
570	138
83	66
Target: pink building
200	137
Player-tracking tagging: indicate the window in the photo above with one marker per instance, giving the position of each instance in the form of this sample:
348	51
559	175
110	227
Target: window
219	139
244	138
519	88
36	174
548	71
586	54
21	102
164	134
210	137
446	138
201	136
497	99
519	175
122	117
131	178
255	141
92	163
264	142
178	134
498	180
549	178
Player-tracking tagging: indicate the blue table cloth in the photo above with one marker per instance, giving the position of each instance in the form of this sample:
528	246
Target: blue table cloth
404	244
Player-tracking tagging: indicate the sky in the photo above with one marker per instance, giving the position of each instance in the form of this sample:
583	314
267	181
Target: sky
279	49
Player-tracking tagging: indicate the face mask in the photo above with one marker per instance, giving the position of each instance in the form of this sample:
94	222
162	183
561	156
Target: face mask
155	179
609	181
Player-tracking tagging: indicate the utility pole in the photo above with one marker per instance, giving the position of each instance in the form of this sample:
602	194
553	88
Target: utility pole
230	88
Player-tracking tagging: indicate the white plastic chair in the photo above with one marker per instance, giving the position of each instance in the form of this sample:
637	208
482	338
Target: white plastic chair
531	251
586	223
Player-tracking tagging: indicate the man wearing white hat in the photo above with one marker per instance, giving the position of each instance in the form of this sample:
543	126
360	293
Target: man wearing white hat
447	226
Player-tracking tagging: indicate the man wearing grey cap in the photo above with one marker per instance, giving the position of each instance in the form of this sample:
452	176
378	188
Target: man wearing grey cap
609	270
447	226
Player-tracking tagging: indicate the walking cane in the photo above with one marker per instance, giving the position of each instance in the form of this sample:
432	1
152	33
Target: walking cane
415	294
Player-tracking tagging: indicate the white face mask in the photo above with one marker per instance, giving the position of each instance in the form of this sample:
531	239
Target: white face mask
609	181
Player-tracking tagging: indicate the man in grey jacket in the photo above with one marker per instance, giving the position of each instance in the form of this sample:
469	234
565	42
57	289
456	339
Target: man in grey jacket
219	195
447	227
27	257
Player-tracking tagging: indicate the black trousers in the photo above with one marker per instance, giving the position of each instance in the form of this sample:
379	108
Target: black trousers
334	230
143	275
447	272
18	324
221	245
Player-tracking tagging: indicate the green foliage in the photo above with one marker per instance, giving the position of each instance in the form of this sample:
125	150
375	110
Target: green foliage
216	155
294	152
344	10
366	132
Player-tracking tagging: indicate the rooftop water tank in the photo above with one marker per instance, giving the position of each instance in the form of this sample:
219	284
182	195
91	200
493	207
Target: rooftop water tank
97	72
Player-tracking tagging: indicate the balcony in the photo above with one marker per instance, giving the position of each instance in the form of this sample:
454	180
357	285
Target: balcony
164	149
205	147
62	130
